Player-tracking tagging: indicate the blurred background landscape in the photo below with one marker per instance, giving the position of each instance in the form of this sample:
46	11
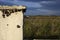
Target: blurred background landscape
42	27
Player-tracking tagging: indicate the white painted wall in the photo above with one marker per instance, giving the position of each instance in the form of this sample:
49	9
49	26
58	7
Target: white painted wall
8	26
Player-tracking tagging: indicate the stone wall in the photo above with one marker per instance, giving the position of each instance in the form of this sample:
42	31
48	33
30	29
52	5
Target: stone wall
11	23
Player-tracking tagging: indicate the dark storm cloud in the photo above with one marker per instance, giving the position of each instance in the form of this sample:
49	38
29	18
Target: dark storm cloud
48	8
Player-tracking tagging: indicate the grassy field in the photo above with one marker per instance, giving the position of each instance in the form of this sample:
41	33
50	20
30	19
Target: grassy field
41	26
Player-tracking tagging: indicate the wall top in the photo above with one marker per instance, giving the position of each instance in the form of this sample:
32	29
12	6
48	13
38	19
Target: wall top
8	10
12	7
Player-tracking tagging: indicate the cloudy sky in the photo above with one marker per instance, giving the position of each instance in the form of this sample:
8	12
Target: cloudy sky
36	7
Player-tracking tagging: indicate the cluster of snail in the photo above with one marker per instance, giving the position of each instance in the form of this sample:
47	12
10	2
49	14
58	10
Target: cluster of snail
7	12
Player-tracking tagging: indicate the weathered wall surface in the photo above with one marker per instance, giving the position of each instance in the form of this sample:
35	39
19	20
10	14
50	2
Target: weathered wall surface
11	27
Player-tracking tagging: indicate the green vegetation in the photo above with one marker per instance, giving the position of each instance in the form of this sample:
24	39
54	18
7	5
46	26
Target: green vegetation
37	26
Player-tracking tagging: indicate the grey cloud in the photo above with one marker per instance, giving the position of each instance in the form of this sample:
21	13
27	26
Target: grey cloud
6	3
36	0
51	5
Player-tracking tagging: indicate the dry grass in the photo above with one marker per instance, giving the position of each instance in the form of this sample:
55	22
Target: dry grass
36	26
